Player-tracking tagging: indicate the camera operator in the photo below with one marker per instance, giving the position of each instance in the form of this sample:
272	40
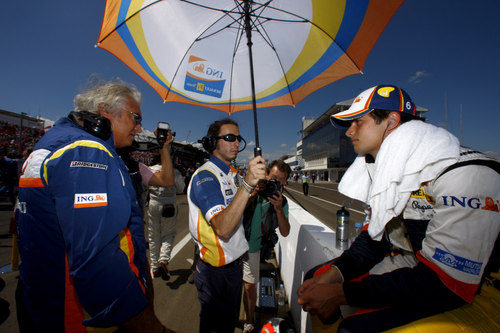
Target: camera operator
143	176
266	211
162	209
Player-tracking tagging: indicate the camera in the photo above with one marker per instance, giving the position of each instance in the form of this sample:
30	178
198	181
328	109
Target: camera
162	132
269	188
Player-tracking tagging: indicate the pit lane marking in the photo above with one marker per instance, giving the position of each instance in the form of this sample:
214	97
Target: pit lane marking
178	247
331	203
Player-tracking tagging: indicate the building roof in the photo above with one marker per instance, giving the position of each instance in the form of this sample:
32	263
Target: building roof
335	108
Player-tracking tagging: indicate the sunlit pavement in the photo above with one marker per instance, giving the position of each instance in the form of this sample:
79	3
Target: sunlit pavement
176	301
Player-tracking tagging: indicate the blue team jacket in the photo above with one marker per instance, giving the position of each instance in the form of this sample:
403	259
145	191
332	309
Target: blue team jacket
81	234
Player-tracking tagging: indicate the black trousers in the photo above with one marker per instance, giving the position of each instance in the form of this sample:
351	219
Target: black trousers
219	293
381	319
305	188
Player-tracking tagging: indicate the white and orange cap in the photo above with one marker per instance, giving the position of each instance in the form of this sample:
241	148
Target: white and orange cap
381	97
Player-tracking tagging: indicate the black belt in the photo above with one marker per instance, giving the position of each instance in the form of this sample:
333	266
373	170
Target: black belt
233	263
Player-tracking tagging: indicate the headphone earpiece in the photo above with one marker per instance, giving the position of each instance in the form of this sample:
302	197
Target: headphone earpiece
94	124
209	143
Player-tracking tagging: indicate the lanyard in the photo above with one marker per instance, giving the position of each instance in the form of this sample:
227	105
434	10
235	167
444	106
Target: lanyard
263	215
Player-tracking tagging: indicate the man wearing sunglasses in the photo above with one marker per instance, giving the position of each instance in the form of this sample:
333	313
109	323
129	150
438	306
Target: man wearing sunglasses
81	232
217	197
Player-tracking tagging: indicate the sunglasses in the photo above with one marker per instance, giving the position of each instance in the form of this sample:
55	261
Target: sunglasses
230	137
137	118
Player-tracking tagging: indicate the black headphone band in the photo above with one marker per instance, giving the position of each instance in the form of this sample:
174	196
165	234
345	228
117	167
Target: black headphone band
93	123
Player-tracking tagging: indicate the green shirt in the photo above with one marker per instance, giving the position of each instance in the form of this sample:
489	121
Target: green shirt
259	217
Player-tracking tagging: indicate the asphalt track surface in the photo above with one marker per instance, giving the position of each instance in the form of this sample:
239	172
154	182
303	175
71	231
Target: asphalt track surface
176	301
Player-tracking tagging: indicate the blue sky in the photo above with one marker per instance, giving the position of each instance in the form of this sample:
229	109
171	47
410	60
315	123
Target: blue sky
435	50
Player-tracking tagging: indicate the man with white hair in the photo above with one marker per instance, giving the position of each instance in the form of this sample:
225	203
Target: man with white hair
81	232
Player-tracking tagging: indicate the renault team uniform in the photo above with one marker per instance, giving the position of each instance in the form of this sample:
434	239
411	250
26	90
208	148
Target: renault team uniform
219	273
81	234
431	258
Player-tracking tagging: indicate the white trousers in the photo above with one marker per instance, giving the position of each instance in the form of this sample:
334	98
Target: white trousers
161	231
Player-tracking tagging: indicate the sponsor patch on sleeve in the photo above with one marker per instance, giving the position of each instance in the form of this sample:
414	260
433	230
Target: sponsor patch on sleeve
84	200
83	164
456	262
206	179
213	211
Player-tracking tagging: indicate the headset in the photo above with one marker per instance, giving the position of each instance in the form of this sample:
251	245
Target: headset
94	124
209	143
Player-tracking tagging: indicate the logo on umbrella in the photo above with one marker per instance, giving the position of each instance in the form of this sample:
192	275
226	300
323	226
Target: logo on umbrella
204	78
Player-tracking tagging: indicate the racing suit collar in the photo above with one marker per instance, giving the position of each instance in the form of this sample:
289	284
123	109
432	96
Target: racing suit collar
220	164
66	122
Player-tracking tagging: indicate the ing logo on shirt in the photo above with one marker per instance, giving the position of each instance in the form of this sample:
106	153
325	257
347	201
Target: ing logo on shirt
85	200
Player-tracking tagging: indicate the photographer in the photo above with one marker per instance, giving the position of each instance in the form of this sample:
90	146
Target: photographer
162	210
267	210
143	176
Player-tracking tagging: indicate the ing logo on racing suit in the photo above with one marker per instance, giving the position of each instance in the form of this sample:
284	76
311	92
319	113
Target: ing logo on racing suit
84	200
474	203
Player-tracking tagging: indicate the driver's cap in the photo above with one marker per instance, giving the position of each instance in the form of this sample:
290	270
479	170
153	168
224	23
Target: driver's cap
381	97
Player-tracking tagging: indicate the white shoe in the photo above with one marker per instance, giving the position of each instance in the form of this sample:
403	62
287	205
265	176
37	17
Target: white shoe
248	328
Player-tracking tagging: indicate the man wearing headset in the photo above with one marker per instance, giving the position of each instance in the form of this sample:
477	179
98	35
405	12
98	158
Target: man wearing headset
432	232
81	232
217	197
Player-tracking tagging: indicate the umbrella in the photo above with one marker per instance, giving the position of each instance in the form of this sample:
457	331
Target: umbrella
235	55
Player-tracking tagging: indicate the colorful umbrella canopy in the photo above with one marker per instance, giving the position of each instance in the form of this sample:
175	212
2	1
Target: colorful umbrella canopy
235	55
195	51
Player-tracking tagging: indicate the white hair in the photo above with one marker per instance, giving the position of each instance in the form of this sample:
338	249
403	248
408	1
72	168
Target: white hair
110	93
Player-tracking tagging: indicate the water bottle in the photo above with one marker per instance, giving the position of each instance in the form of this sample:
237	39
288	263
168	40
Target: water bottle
281	295
342	233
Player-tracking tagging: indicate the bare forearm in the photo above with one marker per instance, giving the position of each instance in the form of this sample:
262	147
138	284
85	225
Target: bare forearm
283	223
165	177
228	219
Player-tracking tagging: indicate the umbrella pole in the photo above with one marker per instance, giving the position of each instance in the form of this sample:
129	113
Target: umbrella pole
248	29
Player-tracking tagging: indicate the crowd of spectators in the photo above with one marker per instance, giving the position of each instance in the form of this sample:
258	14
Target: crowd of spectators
12	155
9	138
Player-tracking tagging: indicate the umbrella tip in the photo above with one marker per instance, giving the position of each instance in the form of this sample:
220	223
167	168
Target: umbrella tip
96	45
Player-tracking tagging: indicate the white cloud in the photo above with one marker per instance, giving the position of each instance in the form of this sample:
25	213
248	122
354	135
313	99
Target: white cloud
418	76
250	144
283	145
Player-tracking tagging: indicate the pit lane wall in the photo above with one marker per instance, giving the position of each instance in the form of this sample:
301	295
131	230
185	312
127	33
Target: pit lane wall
309	244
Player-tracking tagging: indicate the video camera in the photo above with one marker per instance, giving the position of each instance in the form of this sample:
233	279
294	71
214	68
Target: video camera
162	133
269	188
